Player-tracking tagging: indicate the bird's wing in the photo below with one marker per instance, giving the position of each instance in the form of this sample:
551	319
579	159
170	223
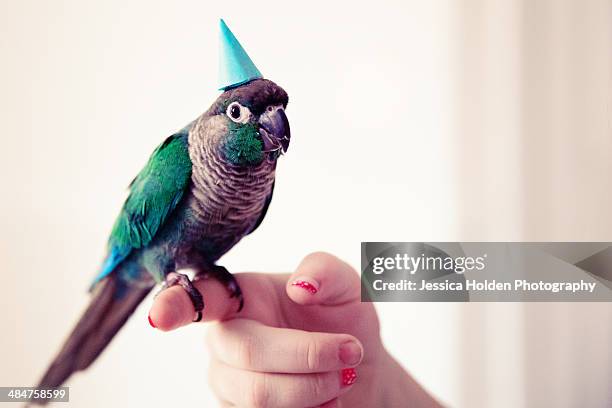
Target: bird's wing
264	210
154	194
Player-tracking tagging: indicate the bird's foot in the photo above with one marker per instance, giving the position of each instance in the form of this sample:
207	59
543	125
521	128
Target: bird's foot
230	282
174	278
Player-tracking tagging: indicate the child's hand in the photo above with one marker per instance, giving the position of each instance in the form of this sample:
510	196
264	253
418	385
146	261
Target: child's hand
302	340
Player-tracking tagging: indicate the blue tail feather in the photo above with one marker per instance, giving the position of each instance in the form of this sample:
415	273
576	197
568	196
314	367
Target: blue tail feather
110	263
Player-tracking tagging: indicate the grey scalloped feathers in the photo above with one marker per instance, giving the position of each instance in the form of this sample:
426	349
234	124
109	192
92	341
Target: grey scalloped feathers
202	190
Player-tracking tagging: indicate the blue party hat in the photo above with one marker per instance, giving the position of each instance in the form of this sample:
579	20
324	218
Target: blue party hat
235	66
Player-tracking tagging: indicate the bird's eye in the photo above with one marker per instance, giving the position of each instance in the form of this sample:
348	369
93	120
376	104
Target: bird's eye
238	113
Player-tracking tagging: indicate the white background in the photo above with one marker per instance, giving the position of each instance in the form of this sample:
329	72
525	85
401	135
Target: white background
411	121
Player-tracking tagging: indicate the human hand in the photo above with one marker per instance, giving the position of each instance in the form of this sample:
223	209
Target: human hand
302	340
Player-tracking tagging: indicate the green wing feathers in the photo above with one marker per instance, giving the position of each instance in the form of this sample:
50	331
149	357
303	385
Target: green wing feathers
154	194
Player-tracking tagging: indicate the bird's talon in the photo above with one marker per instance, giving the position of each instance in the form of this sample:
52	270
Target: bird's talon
198	317
194	294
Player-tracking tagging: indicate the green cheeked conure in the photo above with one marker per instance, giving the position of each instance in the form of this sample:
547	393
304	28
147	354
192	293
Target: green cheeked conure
203	189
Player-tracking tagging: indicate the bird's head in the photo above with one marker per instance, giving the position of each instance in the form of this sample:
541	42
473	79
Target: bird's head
257	127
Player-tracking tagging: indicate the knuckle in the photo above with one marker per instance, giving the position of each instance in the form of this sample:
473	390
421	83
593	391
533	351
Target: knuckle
312	355
246	352
319	384
259	393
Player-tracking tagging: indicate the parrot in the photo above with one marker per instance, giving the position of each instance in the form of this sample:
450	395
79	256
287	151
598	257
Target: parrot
202	190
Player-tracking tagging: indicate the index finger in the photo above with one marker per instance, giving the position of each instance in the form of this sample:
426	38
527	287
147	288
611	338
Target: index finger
172	307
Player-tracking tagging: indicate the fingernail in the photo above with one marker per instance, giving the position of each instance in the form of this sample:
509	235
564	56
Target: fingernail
349	376
307	284
151	322
350	353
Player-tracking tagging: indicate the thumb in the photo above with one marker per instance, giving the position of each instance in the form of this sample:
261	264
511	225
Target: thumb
323	279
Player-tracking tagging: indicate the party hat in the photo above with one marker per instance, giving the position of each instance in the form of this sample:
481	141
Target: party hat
235	66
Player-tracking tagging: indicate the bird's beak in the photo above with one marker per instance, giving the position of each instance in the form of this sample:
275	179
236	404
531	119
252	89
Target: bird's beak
276	133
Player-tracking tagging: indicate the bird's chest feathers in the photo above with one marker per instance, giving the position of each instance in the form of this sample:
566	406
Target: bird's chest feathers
228	198
225	199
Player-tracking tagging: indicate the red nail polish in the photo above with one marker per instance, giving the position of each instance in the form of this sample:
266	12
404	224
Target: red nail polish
349	376
306	285
151	322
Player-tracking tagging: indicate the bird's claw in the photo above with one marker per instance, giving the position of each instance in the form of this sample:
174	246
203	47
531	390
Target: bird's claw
235	292
230	283
174	278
